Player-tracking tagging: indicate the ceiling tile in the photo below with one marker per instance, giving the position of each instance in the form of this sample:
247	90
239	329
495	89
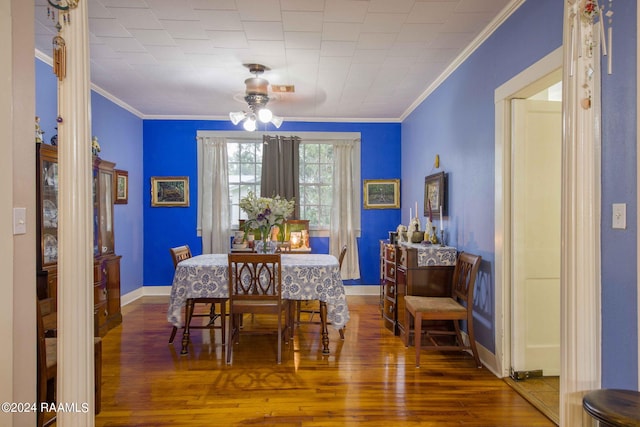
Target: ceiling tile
348	59
263	30
302	21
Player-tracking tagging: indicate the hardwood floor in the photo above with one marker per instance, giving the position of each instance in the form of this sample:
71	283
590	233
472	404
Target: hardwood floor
368	380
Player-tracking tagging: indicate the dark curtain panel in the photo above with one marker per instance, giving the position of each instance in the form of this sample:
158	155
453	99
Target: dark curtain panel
280	169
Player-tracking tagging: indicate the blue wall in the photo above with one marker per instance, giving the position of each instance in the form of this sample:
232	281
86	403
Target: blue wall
120	136
170	150
458	121
619	178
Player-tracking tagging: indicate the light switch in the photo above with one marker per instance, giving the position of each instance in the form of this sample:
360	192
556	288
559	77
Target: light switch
619	216
19	220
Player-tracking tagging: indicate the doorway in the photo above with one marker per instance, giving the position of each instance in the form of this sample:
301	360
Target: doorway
515	217
536	147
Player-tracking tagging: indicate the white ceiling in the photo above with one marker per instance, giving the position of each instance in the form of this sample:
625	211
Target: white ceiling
348	59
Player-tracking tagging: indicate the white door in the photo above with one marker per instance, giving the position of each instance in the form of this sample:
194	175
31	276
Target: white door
536	166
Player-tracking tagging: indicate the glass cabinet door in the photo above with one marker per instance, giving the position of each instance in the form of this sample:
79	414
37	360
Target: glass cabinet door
106	212
49	186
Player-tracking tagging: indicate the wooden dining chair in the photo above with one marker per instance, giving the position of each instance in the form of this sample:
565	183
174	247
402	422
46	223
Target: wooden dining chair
312	311
255	287
455	308
180	253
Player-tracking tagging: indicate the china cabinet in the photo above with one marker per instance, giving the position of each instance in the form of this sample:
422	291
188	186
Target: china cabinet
106	283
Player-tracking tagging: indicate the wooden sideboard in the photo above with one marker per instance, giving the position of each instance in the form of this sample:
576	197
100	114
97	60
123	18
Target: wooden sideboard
412	269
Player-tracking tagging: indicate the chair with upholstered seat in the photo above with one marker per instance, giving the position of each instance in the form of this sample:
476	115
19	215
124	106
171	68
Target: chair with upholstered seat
255	287
178	254
312	311
455	308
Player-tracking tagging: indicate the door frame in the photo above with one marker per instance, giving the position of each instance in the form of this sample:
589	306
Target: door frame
537	77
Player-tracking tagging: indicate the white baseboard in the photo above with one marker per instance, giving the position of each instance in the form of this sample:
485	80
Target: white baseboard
487	358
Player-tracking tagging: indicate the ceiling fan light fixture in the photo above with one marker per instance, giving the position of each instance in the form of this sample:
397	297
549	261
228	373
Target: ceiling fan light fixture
249	124
256	97
237	116
265	115
277	121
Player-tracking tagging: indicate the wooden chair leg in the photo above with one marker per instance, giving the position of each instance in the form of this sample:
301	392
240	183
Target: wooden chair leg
407	322
223	321
417	336
187	320
173	334
472	342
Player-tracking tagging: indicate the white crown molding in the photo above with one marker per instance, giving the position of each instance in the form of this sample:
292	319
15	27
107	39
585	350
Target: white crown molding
466	53
97	89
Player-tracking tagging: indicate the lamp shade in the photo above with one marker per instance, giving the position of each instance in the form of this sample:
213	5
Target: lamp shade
249	124
265	115
236	116
277	121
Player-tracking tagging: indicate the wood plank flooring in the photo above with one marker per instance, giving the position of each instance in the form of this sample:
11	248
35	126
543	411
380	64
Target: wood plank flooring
369	379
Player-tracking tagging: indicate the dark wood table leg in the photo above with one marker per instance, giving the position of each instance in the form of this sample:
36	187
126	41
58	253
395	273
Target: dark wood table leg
325	332
188	313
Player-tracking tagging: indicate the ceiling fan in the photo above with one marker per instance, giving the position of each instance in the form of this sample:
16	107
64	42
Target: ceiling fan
257	97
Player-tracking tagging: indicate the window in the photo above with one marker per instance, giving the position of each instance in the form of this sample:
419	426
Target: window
244	156
245	170
316	184
316	179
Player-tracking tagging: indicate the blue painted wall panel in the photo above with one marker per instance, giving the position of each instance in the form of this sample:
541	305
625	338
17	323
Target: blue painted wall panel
170	149
120	136
619	178
457	122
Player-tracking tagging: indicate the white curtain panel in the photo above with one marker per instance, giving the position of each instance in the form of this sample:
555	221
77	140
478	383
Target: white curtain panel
346	202
581	174
214	207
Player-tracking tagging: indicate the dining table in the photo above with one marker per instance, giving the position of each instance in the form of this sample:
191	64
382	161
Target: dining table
304	277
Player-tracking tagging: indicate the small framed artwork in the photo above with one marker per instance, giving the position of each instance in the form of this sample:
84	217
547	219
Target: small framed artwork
435	194
169	191
381	193
121	187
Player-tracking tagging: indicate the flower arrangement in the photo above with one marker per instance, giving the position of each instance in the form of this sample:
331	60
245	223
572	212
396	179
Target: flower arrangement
265	212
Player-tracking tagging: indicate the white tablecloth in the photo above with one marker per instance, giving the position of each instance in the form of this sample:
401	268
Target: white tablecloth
304	277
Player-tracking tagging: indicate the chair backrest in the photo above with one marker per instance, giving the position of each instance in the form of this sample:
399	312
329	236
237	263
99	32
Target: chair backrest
255	276
464	277
180	253
343	252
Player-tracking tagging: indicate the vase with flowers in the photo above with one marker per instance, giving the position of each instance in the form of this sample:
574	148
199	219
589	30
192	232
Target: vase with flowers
262	214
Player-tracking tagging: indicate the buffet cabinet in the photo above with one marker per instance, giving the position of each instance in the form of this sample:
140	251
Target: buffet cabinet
411	269
106	264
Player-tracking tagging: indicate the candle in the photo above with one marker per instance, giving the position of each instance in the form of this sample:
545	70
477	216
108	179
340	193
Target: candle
417	210
441	222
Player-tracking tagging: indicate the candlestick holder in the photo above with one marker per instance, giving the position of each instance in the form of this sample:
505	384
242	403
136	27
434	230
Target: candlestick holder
442	237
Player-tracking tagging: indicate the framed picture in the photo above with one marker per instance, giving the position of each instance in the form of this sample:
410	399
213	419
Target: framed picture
381	193
169	191
435	194
121	187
